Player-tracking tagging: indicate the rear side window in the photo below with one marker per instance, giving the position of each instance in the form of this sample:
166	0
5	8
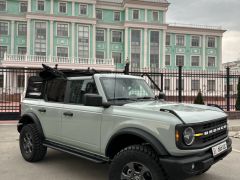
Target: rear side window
77	89
55	90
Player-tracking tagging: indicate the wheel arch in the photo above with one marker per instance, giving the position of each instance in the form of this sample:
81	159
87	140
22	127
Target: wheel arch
133	136
30	118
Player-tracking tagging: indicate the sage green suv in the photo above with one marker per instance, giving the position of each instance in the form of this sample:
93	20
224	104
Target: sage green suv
117	119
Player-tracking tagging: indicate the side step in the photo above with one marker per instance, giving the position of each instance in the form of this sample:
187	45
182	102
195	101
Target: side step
76	152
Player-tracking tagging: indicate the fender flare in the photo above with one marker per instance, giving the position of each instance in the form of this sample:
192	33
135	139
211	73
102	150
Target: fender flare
149	138
25	120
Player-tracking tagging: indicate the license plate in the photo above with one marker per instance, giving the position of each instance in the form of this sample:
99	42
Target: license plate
219	148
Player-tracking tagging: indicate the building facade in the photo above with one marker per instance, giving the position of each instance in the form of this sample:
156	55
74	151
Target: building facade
103	34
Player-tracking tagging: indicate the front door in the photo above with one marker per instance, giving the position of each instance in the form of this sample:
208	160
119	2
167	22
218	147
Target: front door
81	124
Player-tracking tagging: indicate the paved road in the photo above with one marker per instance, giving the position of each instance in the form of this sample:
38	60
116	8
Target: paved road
60	166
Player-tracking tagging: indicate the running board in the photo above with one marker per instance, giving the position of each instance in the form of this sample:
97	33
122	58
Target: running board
76	152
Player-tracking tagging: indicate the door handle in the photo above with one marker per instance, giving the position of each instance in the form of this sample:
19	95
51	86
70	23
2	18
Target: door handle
42	110
68	114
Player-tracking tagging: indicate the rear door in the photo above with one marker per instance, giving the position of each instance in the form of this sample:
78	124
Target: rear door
50	110
81	124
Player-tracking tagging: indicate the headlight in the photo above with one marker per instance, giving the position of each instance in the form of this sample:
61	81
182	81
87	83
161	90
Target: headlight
188	136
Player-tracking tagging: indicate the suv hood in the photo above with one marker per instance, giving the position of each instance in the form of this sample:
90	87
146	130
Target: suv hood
189	113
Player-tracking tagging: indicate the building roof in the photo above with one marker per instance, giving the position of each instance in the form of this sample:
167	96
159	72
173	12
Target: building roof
121	1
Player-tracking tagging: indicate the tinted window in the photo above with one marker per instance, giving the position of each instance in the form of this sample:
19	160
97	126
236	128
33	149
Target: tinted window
77	89
55	90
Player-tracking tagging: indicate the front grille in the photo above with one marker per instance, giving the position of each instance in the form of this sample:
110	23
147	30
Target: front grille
207	133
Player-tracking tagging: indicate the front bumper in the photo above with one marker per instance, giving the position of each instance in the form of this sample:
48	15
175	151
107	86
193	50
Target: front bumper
183	167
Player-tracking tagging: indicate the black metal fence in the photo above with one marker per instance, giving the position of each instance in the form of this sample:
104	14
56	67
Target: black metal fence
179	85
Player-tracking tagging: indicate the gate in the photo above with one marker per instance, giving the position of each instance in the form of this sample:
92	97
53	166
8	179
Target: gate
13	83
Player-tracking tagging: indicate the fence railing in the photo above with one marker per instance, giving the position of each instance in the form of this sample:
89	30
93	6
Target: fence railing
179	85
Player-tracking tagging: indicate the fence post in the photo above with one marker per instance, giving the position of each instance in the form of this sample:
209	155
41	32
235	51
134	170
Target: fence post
180	84
126	69
161	82
228	88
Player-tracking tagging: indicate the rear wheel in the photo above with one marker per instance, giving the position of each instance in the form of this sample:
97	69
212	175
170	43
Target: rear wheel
136	162
30	143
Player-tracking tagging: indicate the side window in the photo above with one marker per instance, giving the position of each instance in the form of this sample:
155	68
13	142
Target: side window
77	89
55	90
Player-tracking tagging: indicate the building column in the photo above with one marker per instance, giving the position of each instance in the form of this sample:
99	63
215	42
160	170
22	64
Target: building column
164	49
28	36
145	15
73	8
73	41
108	43
29	5
204	52
219	61
12	37
51	40
94	44
52	6
25	80
126	44
94	10
126	14
145	48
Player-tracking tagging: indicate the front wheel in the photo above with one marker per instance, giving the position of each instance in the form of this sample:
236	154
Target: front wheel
30	143
136	162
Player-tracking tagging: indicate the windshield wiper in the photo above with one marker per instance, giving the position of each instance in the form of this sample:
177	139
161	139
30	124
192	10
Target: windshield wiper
146	97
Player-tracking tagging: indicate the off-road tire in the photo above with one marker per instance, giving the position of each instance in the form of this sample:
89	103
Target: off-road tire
139	154
30	142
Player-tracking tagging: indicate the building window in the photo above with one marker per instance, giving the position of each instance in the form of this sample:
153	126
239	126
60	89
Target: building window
195	41
167	84
62	52
195	86
135	14
177	84
179	60
22	29
3	5
40	5
168	40
211	42
167	60
116	36
211	85
154	49
40	38
23	6
83	9
1	81
99	14
100	35
195	61
180	40
117	56
62	7
117	16
3	49
83	41
211	62
155	15
20	81
135	48
62	30
3	28
22	50
100	55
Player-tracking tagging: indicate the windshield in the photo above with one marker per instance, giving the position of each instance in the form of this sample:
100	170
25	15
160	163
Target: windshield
126	89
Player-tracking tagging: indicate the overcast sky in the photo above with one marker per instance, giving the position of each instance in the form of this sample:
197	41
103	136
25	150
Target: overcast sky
224	13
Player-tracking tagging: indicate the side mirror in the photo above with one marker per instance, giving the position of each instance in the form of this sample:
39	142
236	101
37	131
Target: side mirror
92	100
162	96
